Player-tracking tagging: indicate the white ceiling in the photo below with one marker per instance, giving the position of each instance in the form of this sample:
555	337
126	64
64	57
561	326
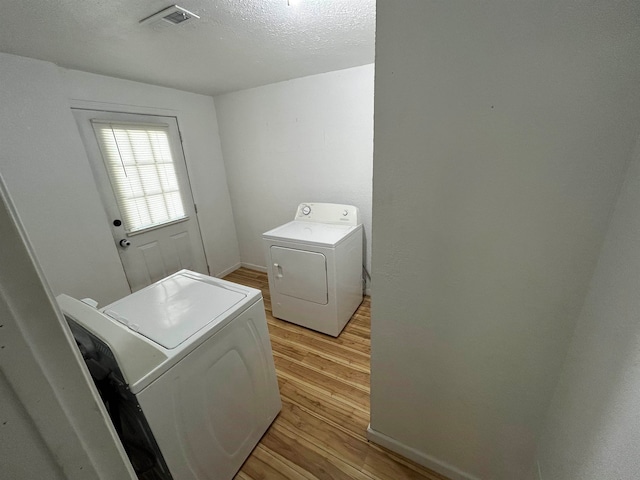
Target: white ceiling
236	44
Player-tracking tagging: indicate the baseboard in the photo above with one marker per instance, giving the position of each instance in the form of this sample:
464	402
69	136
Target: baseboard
226	272
417	456
251	266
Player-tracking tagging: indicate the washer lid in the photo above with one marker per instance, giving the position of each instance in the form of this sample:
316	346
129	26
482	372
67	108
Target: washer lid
173	309
322	234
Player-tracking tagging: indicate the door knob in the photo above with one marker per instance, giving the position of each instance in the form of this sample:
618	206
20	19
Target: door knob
124	243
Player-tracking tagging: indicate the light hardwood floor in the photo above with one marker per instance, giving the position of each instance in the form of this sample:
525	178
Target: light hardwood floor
324	385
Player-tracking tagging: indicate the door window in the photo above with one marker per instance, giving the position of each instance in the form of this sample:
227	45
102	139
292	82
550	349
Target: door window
143	176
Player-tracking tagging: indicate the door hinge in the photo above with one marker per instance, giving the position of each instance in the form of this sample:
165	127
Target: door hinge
180	135
195	208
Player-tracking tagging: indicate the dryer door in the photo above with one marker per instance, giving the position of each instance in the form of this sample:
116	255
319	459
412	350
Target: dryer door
300	274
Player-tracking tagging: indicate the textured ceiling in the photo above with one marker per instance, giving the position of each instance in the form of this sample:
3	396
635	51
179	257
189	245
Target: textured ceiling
236	44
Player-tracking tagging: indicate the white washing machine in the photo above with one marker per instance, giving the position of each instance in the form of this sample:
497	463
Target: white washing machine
315	267
186	371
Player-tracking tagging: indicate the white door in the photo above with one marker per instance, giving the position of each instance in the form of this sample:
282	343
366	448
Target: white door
140	172
300	274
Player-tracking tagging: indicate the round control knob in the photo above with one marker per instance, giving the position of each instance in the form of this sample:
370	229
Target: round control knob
345	213
306	210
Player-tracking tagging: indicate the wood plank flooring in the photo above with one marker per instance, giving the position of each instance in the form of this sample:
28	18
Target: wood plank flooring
324	385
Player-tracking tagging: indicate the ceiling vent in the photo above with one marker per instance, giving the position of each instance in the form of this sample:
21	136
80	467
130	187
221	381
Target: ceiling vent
173	15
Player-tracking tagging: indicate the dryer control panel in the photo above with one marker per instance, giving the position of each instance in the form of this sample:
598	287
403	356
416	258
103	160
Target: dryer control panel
333	213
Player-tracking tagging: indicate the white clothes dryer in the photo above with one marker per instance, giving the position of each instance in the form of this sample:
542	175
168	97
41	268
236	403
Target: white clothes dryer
315	267
186	371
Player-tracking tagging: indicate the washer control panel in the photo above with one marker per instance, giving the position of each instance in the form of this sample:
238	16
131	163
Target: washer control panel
328	213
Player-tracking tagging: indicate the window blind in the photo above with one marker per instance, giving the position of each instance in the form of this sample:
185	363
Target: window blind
142	173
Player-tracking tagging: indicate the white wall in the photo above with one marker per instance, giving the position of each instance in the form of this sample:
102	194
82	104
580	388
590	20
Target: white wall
502	133
304	140
197	121
48	175
593	427
45	167
53	424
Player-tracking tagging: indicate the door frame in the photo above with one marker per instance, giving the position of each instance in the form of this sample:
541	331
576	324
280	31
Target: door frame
111	108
